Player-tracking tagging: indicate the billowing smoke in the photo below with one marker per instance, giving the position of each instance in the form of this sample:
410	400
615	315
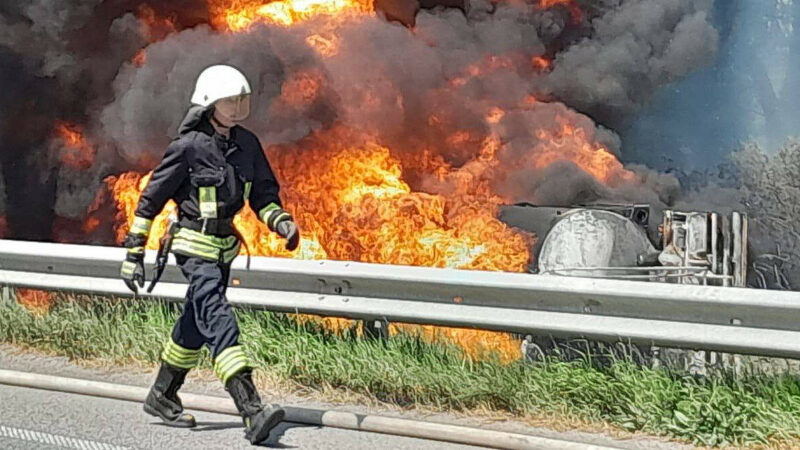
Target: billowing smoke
633	50
123	72
57	63
749	94
411	88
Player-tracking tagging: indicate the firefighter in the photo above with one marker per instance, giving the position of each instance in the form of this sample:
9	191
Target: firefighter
209	170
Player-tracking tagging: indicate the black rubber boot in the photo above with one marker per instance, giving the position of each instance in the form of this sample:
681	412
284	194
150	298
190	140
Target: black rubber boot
258	419
163	401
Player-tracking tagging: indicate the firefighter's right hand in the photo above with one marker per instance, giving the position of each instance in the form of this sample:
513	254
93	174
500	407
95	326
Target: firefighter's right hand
287	229
132	270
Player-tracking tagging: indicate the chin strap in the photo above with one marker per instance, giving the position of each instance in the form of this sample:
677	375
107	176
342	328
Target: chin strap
223	129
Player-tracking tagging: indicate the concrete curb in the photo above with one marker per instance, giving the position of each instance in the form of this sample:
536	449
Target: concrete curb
336	419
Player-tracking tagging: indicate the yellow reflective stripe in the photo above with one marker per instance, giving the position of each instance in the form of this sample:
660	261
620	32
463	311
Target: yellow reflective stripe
266	210
172	353
273	221
223	369
231	361
192	243
206	239
178	356
231	370
187	249
247	186
185	363
127	268
198	243
179	361
141	226
183	248
136	250
228	353
208	202
183	351
229	254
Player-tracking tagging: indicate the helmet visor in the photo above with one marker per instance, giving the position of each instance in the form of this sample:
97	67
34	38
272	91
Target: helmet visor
234	109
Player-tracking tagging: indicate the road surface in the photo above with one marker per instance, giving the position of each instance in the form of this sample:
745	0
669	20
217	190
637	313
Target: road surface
32	419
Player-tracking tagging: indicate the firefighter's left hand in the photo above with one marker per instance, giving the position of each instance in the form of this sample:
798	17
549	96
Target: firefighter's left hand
288	230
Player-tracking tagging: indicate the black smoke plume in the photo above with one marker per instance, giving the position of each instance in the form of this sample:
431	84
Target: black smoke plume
409	76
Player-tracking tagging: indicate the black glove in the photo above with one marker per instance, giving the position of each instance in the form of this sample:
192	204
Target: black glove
132	270
287	229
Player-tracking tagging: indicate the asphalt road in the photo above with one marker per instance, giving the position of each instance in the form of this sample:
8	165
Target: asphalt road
22	409
34	419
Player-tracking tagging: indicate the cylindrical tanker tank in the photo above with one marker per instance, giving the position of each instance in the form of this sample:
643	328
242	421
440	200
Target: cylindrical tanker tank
598	240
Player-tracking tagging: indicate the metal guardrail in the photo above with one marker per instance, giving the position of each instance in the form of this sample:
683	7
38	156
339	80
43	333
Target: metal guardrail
731	320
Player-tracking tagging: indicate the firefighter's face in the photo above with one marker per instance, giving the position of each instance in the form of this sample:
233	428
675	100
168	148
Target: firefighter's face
229	111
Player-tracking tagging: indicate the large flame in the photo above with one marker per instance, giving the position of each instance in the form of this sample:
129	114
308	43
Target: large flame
351	194
74	151
36	301
569	143
239	15
352	203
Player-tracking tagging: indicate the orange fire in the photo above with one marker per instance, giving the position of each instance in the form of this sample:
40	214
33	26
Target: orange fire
541	63
569	143
36	301
574	9
484	67
351	202
477	344
239	15
140	58
351	195
301	88
154	27
75	151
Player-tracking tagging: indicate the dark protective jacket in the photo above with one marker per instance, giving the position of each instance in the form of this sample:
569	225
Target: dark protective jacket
209	177
200	156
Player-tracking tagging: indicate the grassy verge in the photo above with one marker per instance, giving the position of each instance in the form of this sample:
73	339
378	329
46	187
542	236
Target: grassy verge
408	371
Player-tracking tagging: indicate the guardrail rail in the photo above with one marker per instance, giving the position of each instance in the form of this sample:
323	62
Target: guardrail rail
733	320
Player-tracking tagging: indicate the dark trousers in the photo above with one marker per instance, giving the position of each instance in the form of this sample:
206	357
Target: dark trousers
207	317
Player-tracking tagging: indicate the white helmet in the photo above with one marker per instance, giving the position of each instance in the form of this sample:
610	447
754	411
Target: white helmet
218	82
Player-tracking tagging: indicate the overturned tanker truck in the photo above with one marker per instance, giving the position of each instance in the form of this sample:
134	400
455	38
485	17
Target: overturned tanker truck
630	242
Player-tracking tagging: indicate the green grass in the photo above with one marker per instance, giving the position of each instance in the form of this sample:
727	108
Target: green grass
722	409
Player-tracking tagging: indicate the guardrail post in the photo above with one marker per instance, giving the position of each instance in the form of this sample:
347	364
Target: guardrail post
375	328
6	295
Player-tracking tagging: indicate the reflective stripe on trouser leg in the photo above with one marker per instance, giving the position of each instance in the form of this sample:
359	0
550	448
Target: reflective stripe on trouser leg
177	356
230	362
207	316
